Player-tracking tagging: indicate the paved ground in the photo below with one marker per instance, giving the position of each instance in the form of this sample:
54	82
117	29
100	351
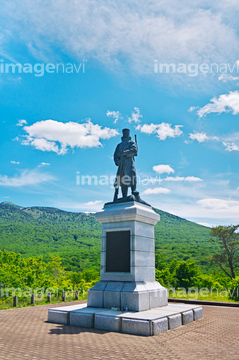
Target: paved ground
25	334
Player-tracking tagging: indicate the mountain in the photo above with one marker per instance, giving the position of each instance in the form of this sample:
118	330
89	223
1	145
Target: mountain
39	230
76	236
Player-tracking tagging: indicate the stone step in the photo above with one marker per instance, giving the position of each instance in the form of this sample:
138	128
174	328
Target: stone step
146	323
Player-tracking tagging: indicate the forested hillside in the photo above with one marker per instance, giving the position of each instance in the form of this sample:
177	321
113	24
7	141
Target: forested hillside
43	231
182	239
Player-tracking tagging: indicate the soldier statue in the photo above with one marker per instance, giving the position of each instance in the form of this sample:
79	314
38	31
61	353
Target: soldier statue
124	158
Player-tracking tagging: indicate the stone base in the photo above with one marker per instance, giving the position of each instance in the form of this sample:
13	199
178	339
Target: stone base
136	296
146	323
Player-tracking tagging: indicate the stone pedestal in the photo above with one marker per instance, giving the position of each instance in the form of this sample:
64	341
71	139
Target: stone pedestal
127	280
127	259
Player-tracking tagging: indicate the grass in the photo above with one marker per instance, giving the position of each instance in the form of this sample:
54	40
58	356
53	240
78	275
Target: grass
7	303
220	295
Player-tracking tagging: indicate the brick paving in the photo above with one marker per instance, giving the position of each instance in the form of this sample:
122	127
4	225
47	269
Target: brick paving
25	334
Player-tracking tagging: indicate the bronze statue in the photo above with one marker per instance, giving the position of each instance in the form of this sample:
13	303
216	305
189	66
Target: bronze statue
124	158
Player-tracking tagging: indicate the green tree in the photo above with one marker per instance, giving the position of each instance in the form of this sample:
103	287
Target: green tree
160	262
234	289
186	273
228	239
57	272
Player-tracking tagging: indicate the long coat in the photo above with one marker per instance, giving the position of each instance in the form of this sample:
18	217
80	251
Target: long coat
126	174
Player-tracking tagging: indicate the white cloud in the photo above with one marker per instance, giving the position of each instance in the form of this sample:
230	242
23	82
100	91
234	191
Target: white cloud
162	130
44	164
192	179
112	32
51	135
192	108
157	190
231	142
205	224
115	114
225	103
182	178
200	137
227	77
219	204
26	178
176	178
160	169
87	207
135	116
15	162
93	203
230	146
184	201
43	145
21	122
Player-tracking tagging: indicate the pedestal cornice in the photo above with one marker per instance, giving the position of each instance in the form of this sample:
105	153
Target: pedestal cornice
129	211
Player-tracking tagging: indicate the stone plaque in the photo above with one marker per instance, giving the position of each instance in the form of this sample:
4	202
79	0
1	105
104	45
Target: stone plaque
118	251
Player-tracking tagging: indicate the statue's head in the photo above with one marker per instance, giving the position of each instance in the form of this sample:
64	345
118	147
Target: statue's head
126	133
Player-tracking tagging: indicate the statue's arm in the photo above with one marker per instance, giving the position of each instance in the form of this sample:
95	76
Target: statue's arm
132	151
117	156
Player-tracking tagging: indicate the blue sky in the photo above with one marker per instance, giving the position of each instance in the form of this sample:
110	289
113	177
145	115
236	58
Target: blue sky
61	122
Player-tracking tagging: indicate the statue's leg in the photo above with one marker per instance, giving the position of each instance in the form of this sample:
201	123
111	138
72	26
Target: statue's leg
116	186
124	189
116	194
133	184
